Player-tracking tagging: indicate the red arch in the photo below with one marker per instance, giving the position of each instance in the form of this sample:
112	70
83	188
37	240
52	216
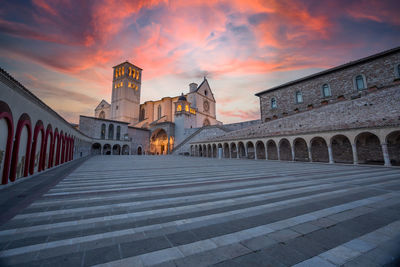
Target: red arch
5	113
55	149
62	139
38	129
67	142
49	131
72	148
24	120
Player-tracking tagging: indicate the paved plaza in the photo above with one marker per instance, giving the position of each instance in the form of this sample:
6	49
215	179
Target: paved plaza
182	211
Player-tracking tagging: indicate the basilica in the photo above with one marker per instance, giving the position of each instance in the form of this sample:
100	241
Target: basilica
152	127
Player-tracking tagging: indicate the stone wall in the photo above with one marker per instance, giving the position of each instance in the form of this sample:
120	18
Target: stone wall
140	138
379	71
378	108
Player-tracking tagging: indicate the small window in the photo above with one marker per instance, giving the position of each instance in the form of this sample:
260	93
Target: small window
103	131
205	92
360	85
159	112
273	103
326	90
299	97
118	132
111	131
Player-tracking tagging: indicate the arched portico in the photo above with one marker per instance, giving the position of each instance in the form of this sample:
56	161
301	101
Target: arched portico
250	150
272	150
300	150
319	150
107	149
125	150
226	151
341	149
116	149
234	153
260	150
369	150
241	150
285	151
393	147
96	149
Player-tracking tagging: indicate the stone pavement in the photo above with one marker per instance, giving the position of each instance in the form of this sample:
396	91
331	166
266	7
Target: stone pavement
181	211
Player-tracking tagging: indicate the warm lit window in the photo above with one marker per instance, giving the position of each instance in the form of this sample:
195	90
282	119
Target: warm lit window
360	85
133	73
193	111
130	71
119	71
116	73
123	70
137	75
179	108
115	85
187	108
299	97
137	88
129	84
273	103
326	91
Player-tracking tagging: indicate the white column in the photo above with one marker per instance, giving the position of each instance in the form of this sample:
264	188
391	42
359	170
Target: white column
266	153
309	153
386	157
355	157
245	151
279	153
220	153
255	153
330	154
292	147
237	151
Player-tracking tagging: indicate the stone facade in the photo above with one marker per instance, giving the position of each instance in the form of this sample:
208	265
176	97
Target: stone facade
377	71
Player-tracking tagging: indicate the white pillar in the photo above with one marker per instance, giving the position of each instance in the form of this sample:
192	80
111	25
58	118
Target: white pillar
237	152
330	154
386	157
255	153
292	147
266	153
279	153
245	151
355	157
220	153
309	153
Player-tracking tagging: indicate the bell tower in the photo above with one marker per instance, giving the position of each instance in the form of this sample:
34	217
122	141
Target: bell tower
126	87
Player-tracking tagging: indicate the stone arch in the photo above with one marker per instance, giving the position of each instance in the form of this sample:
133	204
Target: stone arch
241	150
226	151
214	150
96	149
37	148
209	152
260	150
6	140
116	149
107	149
272	150
300	150
233	150
393	146
319	150
159	142
206	122
204	151
369	149
140	150
191	151
285	151
48	144
56	148
21	148
341	149
200	150
250	150
125	150
62	148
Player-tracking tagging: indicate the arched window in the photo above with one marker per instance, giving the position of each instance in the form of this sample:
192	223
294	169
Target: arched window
118	132
179	108
159	112
326	90
111	131
273	103
103	131
102	115
206	122
299	97
142	114
359	80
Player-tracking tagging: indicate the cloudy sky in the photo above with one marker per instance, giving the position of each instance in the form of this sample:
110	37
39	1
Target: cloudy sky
64	50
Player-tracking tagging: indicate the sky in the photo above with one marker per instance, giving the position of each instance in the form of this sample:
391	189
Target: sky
64	50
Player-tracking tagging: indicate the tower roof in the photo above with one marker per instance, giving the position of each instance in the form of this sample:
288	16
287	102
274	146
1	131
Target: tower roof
127	62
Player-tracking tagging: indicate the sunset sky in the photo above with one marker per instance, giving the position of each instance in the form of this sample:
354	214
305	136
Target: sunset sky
64	50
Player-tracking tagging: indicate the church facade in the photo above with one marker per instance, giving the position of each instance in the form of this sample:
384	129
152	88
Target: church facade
156	126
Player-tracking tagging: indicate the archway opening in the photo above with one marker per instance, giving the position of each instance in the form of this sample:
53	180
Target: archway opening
233	151
209	152
260	150
107	149
96	149
125	150
319	150
200	150
226	151
369	149
272	150
204	151
285	151
241	150
116	149
341	149
139	150
250	150
214	150
159	142
393	145
300	150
